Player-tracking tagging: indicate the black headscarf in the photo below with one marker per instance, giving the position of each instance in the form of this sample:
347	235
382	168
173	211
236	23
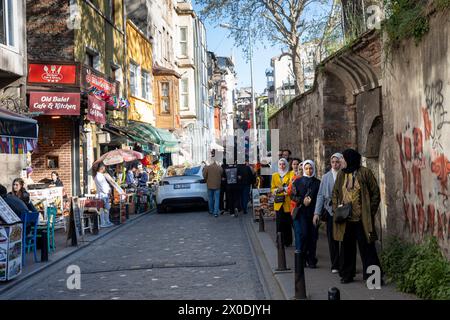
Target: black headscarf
353	159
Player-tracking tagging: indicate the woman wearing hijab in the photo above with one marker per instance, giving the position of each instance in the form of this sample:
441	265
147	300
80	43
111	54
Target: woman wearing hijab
298	173
305	192
282	202
357	185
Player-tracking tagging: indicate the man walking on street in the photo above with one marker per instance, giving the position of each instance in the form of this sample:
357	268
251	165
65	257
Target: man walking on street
213	176
324	208
246	181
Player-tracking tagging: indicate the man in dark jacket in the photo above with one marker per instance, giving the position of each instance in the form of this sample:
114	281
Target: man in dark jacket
246	181
233	189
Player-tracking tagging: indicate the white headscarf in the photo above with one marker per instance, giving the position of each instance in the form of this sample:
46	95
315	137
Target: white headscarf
310	162
339	156
286	170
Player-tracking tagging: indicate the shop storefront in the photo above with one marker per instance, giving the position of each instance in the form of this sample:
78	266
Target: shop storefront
18	136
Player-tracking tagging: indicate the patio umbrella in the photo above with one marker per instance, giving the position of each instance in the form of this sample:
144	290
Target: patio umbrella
118	156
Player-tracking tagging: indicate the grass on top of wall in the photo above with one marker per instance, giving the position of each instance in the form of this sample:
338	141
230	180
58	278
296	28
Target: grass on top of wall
409	19
420	269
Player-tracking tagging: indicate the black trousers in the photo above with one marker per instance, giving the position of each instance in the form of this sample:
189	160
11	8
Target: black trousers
284	225
233	197
354	233
223	190
333	245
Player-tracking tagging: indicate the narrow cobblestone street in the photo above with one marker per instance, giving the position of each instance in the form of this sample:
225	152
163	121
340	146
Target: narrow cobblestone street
188	255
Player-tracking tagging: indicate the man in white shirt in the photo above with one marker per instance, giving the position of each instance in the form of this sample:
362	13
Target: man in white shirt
103	191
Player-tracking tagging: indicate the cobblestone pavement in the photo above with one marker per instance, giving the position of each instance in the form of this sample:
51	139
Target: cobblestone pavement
188	255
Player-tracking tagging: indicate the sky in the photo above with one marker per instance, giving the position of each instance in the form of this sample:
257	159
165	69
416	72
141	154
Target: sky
218	41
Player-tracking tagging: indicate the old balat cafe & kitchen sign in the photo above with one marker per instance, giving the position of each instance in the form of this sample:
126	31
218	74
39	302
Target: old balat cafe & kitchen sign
69	102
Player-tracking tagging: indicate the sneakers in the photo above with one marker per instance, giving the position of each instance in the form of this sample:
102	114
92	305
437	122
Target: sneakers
216	215
334	271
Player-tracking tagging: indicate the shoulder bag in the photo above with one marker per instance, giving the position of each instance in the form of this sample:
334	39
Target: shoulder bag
343	213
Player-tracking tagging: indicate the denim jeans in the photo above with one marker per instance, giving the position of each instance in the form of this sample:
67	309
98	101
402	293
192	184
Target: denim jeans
306	235
213	200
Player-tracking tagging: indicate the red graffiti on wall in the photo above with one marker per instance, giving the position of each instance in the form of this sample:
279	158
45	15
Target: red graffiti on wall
440	226
430	213
418	143
407	142
441	167
402	162
427	123
420	218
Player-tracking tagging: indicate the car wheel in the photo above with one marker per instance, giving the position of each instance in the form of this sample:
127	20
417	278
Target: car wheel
160	208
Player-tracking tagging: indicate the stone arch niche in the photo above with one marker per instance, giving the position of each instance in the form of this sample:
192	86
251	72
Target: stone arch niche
352	104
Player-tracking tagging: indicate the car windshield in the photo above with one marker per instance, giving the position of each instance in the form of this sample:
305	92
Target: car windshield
177	171
192	171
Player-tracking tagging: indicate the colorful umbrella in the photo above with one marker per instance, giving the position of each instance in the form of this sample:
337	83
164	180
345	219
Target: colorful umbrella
118	156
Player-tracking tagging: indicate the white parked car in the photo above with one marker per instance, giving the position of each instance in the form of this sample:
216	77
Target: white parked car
184	190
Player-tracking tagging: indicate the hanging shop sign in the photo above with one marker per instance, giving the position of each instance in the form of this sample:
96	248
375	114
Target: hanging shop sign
52	73
96	110
55	103
92	78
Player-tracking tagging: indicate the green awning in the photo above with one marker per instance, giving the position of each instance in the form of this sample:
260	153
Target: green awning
169	143
164	138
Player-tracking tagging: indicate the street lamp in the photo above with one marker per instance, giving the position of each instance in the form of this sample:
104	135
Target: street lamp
228	26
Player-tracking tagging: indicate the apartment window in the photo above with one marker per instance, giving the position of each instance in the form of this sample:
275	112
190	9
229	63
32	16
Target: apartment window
165	98
184	91
92	59
145	85
133	79
167	52
183	41
7	17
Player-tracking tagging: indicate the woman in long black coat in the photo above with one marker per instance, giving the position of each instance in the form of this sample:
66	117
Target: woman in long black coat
305	192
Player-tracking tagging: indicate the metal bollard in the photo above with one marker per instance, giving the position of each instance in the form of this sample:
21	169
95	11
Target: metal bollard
261	221
300	287
44	246
95	227
281	254
334	294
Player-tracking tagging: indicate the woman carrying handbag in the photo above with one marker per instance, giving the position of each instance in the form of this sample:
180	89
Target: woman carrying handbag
282	201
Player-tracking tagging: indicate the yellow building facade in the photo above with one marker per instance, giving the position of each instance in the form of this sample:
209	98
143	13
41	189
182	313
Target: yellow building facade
139	75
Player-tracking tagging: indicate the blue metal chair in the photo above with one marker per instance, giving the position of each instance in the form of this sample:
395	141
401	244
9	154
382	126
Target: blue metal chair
30	221
50	227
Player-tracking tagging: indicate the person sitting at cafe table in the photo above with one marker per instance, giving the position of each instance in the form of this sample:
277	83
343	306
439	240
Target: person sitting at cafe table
132	182
142	176
18	206
18	190
56	181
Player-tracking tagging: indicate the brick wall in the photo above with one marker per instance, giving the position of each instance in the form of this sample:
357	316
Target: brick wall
48	35
55	139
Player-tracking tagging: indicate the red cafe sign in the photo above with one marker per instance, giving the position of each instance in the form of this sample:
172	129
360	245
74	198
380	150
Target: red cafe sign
91	79
52	73
96	110
55	103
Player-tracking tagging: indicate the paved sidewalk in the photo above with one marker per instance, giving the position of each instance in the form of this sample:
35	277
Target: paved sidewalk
319	280
63	250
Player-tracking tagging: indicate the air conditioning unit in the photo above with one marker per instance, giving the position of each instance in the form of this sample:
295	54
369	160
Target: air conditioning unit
104	137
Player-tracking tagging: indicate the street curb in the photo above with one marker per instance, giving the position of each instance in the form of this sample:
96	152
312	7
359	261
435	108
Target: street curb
267	256
86	244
